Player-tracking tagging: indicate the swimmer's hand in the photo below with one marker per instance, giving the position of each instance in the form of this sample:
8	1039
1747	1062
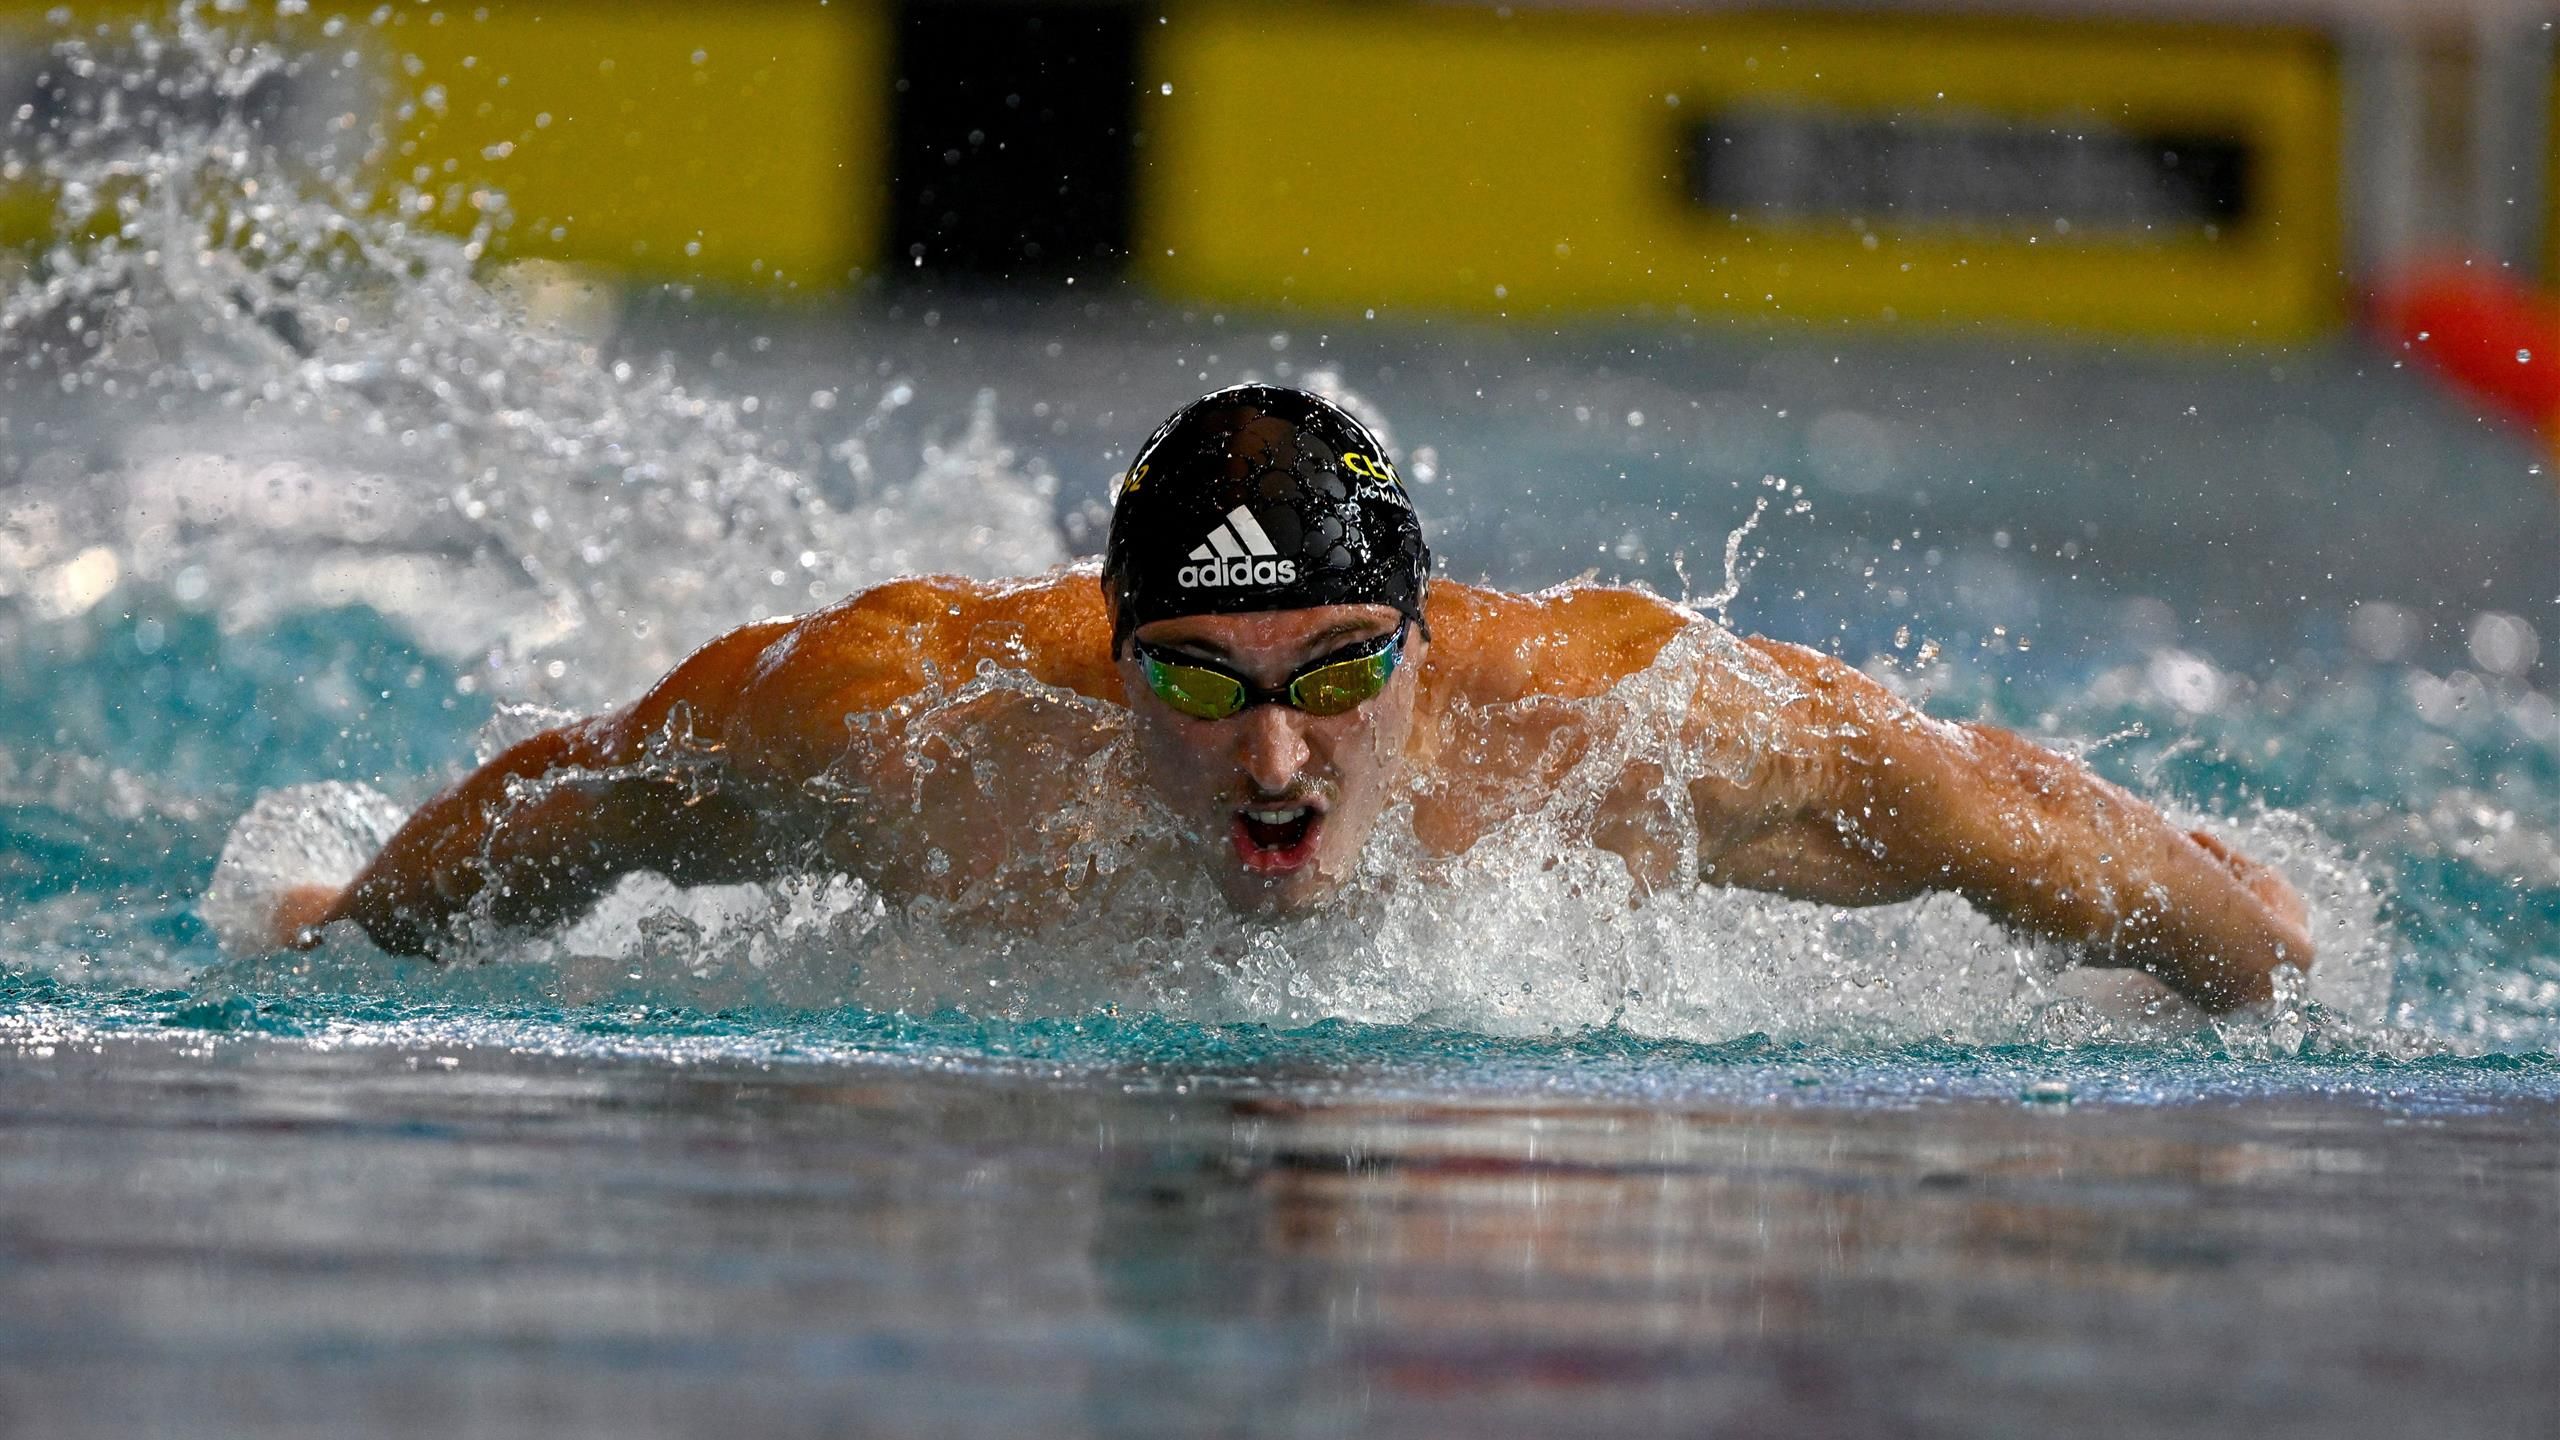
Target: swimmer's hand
300	912
283	863
2286	910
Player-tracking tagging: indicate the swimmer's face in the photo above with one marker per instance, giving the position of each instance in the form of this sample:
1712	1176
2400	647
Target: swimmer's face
1281	801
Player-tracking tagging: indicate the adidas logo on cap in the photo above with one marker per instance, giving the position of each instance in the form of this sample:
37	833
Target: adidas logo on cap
1238	553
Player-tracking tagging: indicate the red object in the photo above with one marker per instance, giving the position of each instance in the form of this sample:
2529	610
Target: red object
2495	338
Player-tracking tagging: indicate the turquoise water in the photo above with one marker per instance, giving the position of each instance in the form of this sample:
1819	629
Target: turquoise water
1377	1061
323	500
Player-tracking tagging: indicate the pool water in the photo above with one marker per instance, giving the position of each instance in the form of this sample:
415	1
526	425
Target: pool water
320	500
430	1236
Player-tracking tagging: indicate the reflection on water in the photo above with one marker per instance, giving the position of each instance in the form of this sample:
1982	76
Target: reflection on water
432	1240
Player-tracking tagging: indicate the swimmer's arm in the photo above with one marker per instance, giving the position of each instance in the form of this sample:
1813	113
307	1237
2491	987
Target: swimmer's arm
537	834
1896	804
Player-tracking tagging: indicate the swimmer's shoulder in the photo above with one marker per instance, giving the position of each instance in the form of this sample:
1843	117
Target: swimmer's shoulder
1574	640
880	646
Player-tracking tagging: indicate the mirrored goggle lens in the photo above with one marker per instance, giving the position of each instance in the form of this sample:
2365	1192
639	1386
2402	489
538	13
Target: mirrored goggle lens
1332	689
1201	694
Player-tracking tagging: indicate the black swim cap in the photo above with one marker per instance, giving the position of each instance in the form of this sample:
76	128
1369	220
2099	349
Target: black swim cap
1257	497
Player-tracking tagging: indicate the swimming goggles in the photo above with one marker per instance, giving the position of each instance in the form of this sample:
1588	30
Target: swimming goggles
1328	685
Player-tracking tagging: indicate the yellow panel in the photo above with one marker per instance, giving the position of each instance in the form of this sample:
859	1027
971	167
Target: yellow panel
743	141
1460	159
27	32
738	140
2551	185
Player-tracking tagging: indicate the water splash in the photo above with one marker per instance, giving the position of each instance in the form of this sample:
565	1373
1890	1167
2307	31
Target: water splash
1098	908
299	835
340	406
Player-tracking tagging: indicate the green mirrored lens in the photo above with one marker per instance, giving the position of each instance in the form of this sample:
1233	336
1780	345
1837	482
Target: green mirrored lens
1332	689
1201	694
1206	692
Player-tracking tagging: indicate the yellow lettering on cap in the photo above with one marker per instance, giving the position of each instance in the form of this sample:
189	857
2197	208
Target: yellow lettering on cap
1371	467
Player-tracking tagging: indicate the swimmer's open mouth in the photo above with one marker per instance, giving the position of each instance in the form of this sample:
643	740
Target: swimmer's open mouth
1276	839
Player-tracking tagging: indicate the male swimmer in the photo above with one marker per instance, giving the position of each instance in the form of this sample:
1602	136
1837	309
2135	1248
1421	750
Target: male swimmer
1266	616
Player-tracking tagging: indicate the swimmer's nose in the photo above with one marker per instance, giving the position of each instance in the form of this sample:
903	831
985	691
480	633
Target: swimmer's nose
1273	750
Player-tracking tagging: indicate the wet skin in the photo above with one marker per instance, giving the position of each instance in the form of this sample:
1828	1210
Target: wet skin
833	738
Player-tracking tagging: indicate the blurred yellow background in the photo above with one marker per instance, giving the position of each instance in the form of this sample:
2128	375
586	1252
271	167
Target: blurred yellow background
1915	166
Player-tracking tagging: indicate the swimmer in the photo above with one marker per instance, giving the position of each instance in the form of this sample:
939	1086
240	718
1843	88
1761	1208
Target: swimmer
1266	616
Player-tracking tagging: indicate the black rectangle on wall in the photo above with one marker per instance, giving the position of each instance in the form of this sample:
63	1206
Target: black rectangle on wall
1010	155
1967	171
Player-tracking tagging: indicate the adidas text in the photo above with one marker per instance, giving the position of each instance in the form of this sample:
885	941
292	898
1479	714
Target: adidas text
1242	570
